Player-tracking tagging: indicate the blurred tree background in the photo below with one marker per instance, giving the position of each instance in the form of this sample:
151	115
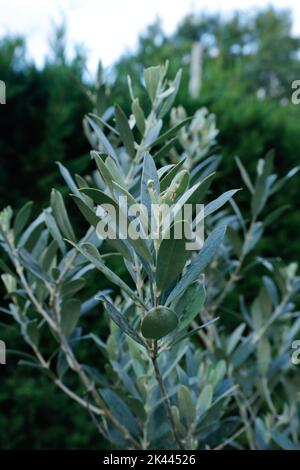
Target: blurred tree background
245	65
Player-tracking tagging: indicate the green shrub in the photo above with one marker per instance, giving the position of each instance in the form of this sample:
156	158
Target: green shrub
192	359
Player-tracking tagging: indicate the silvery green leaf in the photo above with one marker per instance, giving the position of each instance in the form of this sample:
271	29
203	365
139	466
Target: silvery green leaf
190	303
88	213
120	410
22	218
180	337
254	237
101	198
234	338
263	353
104	123
283	441
244	175
199	263
168	102
263	184
152	134
126	379
216	374
149	174
205	399
242	353
72	286
24	238
186	406
124	130
33	332
70	313
29	262
122	321
139	115
161	172
115	171
271	288
90	252
49	256
234	240
275	214
278	185
165	150
219	202
54	230
172	255
168	178
61	215
171	132
61	364
103	170
102	138
152	77
68	179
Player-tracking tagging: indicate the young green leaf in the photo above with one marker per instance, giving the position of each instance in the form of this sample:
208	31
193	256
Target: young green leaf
152	79
22	218
139	115
70	313
61	215
168	178
103	170
124	130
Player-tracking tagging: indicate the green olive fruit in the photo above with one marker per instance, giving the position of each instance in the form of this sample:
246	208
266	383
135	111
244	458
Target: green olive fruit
159	322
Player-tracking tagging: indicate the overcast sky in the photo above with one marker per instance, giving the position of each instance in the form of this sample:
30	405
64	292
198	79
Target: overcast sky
108	27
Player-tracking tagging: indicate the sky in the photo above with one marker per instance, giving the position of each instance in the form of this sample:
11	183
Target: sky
108	28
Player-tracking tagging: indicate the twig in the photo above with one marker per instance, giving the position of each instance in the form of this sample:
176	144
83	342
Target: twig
165	396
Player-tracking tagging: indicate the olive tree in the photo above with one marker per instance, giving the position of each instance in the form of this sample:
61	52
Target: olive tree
185	368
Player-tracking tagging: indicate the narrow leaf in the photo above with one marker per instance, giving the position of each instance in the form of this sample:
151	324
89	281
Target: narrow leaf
121	321
22	218
199	263
124	130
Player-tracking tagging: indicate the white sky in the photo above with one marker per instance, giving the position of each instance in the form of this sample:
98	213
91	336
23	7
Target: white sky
108	27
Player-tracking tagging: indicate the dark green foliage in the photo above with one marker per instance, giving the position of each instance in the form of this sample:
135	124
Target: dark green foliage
40	123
